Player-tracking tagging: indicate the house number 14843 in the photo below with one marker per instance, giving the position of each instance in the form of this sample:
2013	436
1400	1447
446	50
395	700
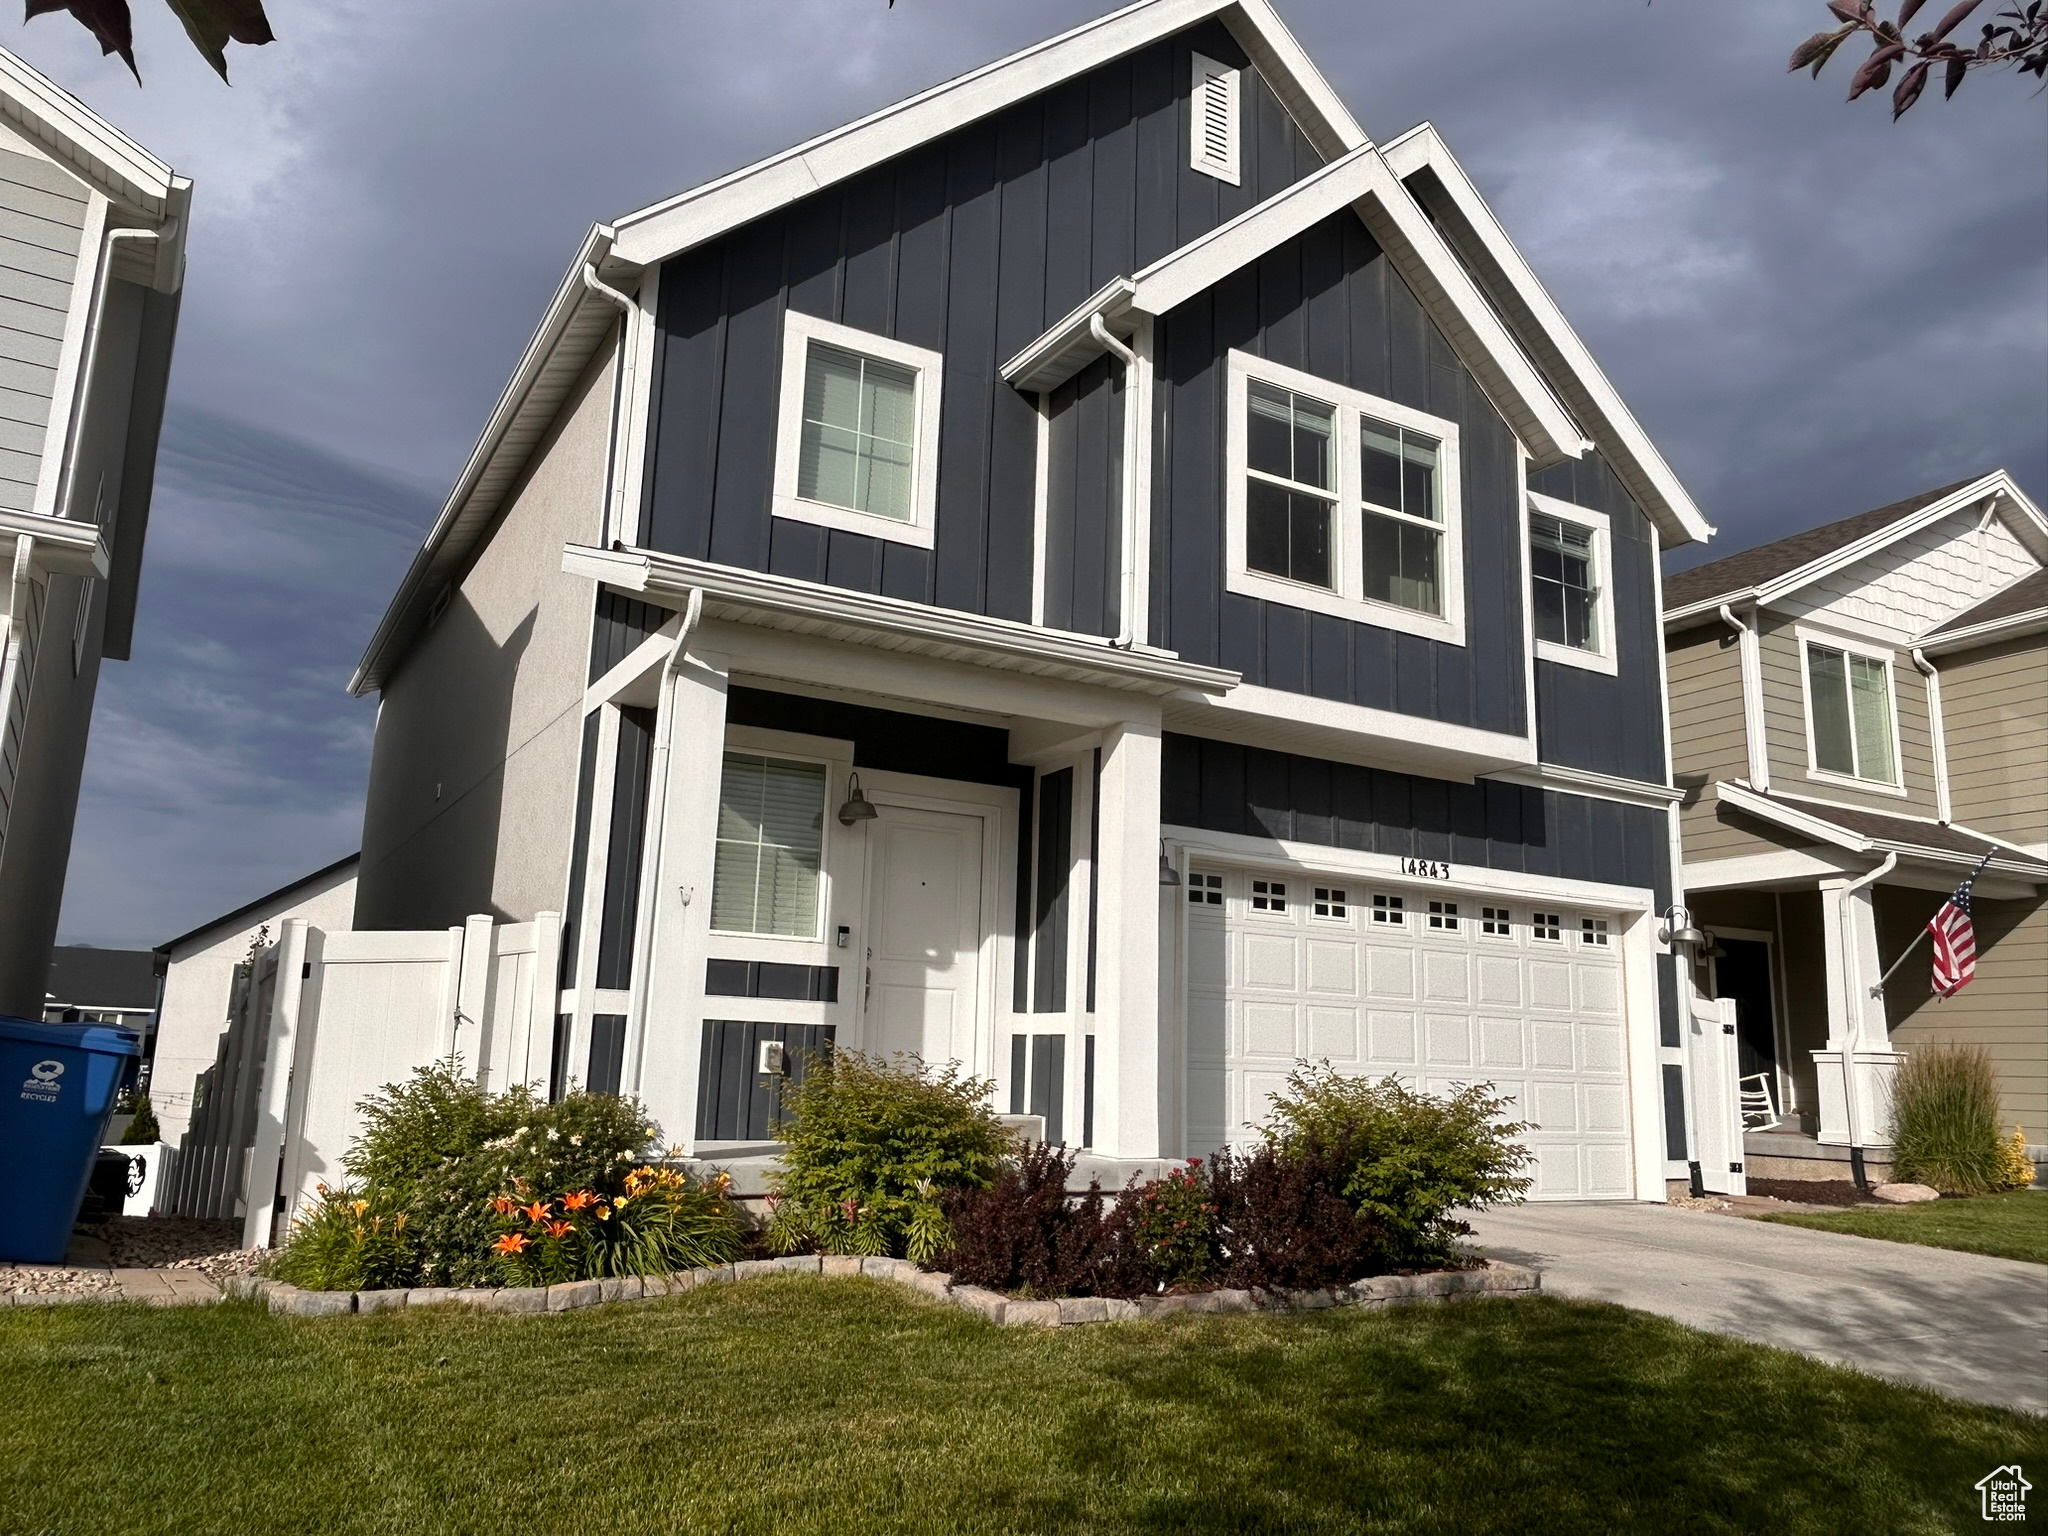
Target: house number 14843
1427	869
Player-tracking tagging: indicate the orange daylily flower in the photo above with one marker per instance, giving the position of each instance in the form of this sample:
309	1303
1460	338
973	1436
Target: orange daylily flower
578	1200
503	1205
512	1242
538	1211
560	1229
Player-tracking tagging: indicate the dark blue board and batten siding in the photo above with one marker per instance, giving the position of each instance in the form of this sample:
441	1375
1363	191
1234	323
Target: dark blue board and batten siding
971	245
1588	719
1330	303
1220	786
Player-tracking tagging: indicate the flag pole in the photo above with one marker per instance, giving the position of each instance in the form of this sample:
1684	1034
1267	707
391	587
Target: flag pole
1878	990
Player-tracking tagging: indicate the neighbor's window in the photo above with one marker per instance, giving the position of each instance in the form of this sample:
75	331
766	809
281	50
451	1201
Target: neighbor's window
859	433
1563	568
771	833
1851	699
1403	542
857	437
1291	484
1342	503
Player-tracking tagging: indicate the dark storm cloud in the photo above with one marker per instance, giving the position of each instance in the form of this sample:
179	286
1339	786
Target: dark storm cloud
1812	311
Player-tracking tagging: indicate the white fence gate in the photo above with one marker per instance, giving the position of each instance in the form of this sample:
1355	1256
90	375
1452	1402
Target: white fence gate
1710	1074
319	1021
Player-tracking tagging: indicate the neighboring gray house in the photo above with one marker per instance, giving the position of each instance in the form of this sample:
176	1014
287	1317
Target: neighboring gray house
92	257
1098	571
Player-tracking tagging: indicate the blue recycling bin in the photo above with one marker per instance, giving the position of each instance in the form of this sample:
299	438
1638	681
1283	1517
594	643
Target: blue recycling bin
57	1088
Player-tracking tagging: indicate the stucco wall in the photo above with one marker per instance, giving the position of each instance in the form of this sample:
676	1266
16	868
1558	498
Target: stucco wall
472	780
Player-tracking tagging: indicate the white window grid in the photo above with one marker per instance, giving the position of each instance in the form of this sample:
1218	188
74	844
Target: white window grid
1548	927
1347	600
1601	657
1593	931
1389	909
1496	923
1443	916
1332	902
1205	890
1269	896
1870	651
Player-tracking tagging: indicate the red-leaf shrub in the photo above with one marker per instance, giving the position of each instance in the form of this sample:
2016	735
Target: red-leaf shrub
1023	1234
1283	1222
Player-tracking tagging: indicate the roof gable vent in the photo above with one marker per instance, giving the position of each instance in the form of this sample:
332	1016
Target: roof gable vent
1213	119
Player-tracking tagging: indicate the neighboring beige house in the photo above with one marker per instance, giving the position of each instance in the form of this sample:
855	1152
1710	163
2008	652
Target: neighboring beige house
92	259
199	978
1859	713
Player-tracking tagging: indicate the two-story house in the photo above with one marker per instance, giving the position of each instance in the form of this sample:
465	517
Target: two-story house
1099	572
92	259
1859	715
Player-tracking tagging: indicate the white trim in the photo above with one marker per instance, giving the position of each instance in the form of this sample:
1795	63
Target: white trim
798	332
1210	78
1384	870
1598	786
1347	568
861	618
1755	729
1937	730
1602	658
1772	808
1809	638
636	401
1939	642
789	747
62	545
81	319
1138	381
1528	616
690	218
1542	328
1040	500
1790	867
1351	732
86	142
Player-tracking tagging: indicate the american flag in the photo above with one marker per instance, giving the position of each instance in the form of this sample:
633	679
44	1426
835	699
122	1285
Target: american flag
1955	939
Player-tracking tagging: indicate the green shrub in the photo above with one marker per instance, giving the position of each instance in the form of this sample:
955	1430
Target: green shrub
1945	1121
345	1242
869	1147
142	1126
660	1220
1174	1225
1415	1157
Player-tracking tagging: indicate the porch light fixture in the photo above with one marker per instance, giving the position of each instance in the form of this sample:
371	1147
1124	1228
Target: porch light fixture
1678	929
1168	875
858	806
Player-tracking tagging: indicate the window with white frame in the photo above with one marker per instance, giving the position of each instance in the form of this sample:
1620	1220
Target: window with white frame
1342	503
1443	915
857	435
1571	574
1851	721
1269	896
1205	890
771	841
1388	909
1546	926
1495	923
1333	902
1593	931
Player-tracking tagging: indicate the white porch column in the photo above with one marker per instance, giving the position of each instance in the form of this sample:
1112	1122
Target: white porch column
1855	1069
679	934
1130	1091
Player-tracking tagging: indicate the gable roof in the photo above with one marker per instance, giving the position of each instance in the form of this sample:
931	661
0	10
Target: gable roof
1769	571
1861	831
1363	181
235	919
2024	601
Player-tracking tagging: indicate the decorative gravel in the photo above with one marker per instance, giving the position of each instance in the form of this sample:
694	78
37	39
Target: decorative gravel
131	1243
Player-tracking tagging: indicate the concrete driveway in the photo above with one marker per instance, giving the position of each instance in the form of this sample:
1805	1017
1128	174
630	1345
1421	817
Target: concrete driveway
1968	1325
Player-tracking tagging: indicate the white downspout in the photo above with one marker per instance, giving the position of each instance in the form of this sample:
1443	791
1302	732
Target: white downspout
646	933
1937	736
1127	608
82	402
621	394
1853	982
1752	702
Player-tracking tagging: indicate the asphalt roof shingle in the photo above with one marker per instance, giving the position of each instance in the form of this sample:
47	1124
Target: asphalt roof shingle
1752	567
2023	596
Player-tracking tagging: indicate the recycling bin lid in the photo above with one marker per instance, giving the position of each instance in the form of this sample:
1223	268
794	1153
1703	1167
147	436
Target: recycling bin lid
79	1037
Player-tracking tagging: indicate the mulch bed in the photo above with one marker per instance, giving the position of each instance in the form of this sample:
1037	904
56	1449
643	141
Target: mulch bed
1812	1191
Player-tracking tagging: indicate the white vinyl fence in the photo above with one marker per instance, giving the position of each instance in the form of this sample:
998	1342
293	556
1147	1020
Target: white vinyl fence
319	1021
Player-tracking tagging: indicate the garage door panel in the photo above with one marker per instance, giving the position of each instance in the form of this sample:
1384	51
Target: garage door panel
1389	971
1208	1106
1208	1024
1260	1088
1600	1047
1606	1171
1550	984
1500	981
1606	1108
1333	1034
1550	1046
1208	956
1269	961
1557	1173
1269	1030
1450	1040
1599	989
1390	1038
1500	1043
1333	966
1446	978
1555	1108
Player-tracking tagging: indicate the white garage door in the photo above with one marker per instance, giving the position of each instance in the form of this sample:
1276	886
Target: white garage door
1437	989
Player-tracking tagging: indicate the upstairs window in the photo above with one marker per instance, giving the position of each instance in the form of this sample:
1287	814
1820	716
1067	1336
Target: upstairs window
1570	575
771	841
1342	503
1212	119
1851	725
857	434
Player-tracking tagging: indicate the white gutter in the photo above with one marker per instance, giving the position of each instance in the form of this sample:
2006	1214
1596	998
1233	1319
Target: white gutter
1752	700
82	402
645	931
1127	542
1937	736
1852	1041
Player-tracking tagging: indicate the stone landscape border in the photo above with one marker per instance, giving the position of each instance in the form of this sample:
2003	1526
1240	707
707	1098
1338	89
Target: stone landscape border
1492	1279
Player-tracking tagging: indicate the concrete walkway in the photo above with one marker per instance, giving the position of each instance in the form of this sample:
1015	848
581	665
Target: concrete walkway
1968	1325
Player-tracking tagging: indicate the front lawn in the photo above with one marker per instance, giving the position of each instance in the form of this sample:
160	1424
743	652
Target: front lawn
2013	1225
797	1404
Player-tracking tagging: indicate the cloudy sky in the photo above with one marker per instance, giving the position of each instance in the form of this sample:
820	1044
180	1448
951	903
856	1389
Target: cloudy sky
1812	310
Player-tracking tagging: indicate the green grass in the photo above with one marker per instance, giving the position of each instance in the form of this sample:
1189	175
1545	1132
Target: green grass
2013	1225
810	1405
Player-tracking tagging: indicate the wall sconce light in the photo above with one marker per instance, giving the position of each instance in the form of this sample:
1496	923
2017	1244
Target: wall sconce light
1678	928
1168	875
858	806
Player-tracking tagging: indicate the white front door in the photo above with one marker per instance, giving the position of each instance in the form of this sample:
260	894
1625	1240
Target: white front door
924	934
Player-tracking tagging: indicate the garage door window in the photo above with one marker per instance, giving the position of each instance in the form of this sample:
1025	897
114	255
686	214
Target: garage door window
1205	890
1331	903
1593	930
1443	916
1269	896
1494	923
1547	926
1388	909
